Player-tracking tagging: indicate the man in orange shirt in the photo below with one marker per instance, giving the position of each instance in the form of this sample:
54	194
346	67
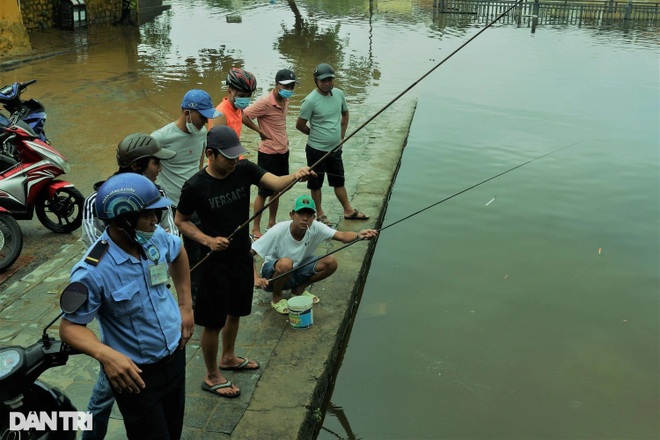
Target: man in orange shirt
240	86
273	155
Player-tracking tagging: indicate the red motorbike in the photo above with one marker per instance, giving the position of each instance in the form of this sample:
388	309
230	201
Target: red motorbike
11	239
29	184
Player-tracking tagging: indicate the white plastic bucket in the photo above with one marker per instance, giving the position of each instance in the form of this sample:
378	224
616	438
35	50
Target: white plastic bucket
300	312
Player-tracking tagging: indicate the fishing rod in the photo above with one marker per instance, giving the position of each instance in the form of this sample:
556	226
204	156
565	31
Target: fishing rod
427	208
364	124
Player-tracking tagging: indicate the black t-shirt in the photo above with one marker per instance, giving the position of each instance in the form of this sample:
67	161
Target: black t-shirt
222	204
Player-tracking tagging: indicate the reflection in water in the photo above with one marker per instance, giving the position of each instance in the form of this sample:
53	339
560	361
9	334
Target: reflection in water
305	44
338	412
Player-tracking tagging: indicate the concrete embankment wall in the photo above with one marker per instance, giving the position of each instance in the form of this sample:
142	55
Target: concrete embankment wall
283	399
298	375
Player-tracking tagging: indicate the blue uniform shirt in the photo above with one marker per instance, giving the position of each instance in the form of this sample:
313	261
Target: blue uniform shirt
141	321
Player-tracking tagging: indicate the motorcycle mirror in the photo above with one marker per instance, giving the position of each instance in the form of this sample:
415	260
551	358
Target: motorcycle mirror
73	297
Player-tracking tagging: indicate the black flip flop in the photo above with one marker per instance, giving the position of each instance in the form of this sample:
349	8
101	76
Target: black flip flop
242	366
212	388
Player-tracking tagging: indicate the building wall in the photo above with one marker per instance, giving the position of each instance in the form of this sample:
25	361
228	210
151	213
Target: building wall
43	14
13	35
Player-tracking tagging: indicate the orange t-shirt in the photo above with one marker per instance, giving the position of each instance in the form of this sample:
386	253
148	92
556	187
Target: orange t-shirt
233	115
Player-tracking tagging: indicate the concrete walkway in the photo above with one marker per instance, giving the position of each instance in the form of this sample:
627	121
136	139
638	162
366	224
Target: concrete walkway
283	399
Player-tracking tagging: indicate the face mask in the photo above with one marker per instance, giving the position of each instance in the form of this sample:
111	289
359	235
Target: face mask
191	127
241	102
286	94
142	237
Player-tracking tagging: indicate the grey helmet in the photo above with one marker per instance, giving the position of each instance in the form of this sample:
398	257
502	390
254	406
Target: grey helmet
324	71
137	146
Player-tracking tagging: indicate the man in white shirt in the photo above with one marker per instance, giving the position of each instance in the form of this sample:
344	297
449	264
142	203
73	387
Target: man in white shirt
291	245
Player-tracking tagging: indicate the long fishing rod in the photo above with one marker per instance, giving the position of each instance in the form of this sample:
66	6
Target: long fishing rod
361	126
427	208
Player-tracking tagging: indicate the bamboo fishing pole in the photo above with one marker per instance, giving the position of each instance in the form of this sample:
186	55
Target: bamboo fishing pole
427	208
364	124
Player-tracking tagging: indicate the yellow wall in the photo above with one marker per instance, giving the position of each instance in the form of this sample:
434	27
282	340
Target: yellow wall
9	10
13	35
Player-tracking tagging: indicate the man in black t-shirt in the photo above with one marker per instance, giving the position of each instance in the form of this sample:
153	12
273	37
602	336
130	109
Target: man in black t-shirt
220	195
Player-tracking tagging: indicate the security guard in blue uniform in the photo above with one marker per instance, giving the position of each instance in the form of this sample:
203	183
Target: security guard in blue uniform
144	329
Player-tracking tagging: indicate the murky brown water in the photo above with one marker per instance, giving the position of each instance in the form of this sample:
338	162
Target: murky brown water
498	321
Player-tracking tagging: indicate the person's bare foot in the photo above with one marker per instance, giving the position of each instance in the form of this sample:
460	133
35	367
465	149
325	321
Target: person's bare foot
239	363
220	386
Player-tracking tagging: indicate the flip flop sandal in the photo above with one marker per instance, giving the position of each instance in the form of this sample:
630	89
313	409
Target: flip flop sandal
281	307
212	389
324	219
315	299
356	215
244	365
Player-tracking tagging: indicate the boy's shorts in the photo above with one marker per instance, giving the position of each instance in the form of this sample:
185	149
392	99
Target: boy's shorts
296	278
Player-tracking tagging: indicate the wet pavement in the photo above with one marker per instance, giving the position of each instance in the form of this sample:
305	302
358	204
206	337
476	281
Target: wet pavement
284	398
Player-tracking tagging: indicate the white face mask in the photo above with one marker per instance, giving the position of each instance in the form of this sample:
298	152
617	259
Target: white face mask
191	127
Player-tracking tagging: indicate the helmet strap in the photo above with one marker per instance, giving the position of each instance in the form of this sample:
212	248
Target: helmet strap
127	224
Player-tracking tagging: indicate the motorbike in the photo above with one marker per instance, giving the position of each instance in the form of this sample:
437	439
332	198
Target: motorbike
22	396
11	239
29	114
28	184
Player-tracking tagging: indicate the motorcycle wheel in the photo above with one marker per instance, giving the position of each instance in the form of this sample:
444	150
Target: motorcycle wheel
63	212
11	241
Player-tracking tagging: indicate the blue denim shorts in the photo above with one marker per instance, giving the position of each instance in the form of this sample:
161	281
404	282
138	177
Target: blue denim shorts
296	278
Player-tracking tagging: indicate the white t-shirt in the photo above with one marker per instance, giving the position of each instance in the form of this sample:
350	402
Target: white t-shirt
278	242
189	149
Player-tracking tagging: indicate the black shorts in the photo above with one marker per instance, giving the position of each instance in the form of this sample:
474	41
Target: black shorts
332	165
277	164
227	286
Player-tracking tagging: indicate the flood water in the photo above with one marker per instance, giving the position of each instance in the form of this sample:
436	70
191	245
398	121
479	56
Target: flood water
525	308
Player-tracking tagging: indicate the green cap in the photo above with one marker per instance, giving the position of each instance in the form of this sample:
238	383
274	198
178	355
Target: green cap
304	202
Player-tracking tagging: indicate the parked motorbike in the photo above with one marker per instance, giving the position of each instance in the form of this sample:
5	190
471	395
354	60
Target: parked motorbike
29	114
22	394
29	184
11	240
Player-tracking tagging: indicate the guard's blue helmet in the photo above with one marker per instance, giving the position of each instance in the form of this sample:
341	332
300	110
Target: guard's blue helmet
127	193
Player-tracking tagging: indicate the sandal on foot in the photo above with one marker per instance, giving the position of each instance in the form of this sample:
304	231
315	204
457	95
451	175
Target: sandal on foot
243	365
356	215
281	306
324	219
213	388
315	299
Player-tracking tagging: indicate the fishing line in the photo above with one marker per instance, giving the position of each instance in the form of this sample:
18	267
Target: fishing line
361	126
429	207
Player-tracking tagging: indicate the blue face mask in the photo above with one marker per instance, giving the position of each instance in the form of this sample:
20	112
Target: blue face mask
286	94
142	237
241	102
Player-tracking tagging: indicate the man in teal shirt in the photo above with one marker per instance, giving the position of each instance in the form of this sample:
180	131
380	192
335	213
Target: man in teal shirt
324	118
